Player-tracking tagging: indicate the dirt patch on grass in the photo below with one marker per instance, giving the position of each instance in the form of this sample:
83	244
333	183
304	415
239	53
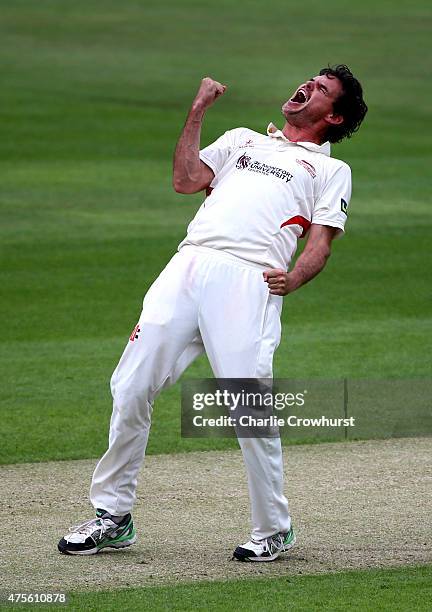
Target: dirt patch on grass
355	505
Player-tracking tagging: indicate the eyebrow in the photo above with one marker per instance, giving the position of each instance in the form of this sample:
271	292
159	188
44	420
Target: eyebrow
321	84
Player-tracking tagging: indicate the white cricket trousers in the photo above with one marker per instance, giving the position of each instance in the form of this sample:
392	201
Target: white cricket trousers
204	300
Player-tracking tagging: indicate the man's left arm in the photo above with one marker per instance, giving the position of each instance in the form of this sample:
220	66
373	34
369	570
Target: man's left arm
308	265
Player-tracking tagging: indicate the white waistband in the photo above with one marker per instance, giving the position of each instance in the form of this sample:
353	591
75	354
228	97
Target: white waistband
224	255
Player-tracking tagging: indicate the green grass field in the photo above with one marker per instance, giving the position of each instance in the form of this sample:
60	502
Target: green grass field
94	95
372	591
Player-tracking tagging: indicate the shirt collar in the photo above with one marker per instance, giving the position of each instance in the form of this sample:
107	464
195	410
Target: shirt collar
274	132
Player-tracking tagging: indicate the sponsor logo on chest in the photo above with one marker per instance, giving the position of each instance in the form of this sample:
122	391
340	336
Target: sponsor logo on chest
245	162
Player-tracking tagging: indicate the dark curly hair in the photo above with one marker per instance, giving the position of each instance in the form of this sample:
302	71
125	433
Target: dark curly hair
350	103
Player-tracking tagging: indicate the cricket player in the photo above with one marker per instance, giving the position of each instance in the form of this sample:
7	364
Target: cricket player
222	291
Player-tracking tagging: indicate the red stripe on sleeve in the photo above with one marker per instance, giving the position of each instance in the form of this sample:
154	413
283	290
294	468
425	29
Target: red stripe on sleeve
298	220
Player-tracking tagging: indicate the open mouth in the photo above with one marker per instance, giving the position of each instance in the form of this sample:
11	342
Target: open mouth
301	96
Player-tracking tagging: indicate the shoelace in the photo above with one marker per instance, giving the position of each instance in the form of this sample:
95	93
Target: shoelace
274	544
87	528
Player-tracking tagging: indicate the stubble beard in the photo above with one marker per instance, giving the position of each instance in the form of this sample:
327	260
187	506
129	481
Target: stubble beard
296	118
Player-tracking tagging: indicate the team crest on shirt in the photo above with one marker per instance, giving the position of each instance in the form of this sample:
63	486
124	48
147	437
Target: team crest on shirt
307	166
243	161
344	206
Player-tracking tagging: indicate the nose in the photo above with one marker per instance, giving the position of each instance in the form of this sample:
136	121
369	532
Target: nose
310	85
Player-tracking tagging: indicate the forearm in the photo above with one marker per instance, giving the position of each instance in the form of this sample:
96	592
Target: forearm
308	265
187	164
190	174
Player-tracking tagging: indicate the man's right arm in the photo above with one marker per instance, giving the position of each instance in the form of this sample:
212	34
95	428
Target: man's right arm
190	174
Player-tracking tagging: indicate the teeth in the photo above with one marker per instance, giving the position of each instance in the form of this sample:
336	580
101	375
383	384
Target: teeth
300	97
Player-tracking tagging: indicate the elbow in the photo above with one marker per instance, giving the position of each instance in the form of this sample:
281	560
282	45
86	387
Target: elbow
181	186
178	186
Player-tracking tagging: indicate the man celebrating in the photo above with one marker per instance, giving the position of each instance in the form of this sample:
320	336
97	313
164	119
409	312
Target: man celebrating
222	292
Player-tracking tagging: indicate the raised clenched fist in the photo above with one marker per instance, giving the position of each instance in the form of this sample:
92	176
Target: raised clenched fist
208	92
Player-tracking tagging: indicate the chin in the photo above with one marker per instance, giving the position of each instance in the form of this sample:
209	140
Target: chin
291	112
286	112
292	116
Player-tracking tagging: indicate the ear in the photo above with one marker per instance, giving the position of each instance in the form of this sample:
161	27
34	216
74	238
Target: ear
334	119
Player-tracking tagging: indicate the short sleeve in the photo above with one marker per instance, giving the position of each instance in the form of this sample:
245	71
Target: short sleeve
217	153
331	207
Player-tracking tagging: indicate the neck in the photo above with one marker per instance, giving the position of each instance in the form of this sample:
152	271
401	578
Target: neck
302	134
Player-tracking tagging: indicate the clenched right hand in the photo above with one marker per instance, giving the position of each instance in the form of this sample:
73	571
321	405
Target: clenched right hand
208	92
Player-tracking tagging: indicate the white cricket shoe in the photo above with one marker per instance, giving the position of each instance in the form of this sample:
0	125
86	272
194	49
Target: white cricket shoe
94	535
268	549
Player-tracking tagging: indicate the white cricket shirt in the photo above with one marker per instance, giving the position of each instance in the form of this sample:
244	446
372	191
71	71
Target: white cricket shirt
265	194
